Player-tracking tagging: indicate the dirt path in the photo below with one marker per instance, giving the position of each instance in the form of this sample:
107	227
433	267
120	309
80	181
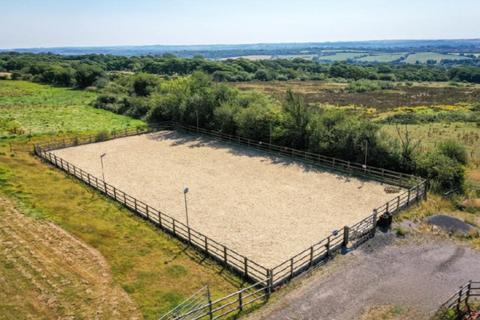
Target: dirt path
45	273
414	274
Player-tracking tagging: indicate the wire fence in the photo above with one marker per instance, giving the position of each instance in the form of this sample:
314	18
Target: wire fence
265	279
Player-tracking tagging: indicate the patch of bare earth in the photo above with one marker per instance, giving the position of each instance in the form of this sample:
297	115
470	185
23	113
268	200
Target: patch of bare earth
387	278
265	207
46	273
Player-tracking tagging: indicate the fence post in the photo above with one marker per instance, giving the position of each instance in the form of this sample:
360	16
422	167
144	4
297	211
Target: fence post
269	281
311	256
209	298
146	209
459	300
418	193
469	288
206	244
387	207
240	302
291	268
115	196
328	246
160	220
398	202
374	222
245	266
408	198
189	235
346	234
135	204
173	226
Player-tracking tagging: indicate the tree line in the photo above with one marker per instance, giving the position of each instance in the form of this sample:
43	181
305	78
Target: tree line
199	101
88	70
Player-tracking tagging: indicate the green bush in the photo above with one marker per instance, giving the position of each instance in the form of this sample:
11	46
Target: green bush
454	150
443	172
101	136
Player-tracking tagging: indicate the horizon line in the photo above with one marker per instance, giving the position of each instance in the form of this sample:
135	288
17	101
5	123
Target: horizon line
235	44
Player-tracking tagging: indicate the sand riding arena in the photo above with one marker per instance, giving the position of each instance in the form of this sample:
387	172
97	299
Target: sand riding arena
266	207
251	209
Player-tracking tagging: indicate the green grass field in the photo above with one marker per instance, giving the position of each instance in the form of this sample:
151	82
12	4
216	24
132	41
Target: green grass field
156	270
29	108
423	57
343	56
384	58
431	134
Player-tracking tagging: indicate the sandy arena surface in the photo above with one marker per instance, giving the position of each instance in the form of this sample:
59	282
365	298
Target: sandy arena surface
265	207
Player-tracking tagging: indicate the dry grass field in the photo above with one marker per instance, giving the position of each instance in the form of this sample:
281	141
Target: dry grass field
325	92
265	207
46	273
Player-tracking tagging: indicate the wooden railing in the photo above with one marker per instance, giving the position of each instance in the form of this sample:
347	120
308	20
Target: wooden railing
221	253
379	174
264	278
459	302
235	302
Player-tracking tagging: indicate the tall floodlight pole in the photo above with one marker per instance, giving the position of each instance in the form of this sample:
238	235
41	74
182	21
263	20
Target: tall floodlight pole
101	161
185	191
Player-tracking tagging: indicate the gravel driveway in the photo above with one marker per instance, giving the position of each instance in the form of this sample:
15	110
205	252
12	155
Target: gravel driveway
418	274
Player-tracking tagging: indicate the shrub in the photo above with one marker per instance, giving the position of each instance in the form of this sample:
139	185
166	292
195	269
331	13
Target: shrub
444	172
144	84
86	75
101	136
454	150
363	86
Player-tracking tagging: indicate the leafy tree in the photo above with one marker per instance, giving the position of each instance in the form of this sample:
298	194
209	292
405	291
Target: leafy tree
297	120
86	75
144	84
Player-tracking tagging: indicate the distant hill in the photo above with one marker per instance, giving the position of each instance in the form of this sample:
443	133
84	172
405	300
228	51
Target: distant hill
471	46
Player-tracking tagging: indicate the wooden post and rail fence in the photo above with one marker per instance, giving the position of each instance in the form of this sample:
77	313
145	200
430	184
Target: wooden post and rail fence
460	302
265	280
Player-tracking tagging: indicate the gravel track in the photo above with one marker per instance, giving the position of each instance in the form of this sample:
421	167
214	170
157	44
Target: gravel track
416	274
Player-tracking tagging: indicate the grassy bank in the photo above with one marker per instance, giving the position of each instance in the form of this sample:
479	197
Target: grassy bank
155	270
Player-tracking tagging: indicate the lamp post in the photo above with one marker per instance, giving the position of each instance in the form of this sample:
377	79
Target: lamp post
101	161
185	191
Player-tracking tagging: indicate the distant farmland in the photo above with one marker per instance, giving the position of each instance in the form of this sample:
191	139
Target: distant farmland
363	56
423	57
388	57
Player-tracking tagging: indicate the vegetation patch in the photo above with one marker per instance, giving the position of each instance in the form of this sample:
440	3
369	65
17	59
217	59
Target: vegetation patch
140	257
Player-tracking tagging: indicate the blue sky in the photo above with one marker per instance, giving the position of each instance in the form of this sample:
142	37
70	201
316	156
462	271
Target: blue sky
46	23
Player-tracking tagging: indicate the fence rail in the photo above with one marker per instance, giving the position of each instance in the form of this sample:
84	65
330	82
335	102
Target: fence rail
382	175
459	302
266	279
235	302
221	253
